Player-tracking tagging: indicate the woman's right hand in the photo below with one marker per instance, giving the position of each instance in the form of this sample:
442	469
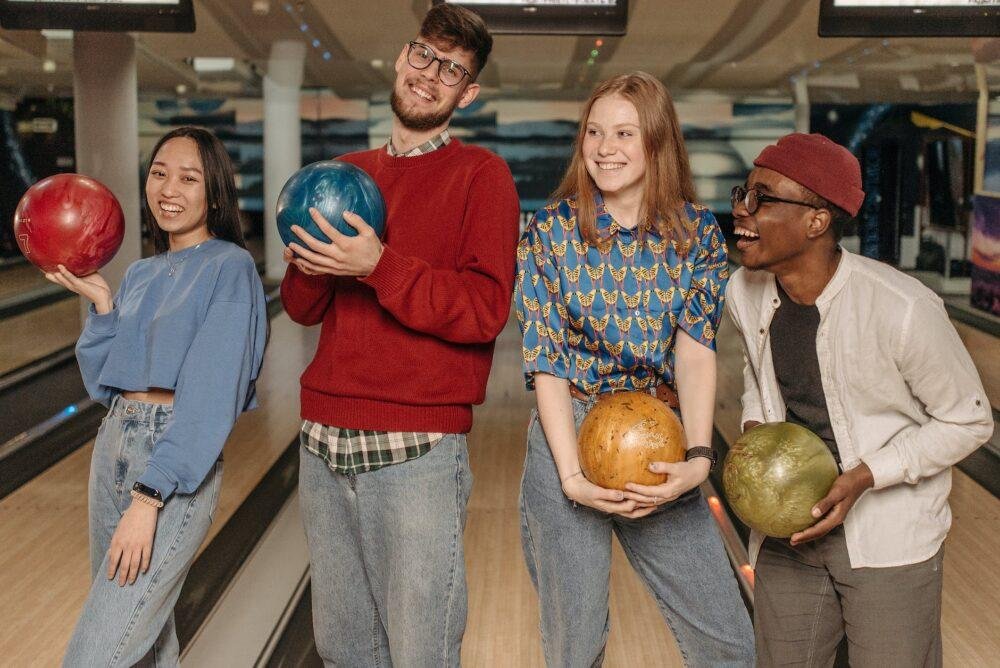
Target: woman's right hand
577	488
93	287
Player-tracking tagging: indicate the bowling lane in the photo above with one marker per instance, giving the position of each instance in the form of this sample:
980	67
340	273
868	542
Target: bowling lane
19	278
971	582
36	333
44	566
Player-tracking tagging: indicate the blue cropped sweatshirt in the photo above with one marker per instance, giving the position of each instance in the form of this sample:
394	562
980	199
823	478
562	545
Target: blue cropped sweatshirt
195	322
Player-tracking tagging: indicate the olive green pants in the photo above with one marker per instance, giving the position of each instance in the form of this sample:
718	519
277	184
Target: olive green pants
808	597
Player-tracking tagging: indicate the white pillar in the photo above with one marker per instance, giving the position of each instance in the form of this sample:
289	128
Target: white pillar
801	103
282	139
106	120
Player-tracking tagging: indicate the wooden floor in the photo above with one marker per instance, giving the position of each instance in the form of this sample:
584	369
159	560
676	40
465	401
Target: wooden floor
43	562
39	332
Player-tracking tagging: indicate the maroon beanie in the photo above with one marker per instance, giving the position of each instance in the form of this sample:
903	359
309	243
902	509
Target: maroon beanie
819	164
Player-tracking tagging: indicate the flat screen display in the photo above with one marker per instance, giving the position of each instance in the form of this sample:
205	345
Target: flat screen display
909	18
99	15
553	17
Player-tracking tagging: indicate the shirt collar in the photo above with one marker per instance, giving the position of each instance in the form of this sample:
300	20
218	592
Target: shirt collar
432	144
606	225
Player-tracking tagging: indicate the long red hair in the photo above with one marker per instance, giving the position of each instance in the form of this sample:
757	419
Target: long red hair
667	184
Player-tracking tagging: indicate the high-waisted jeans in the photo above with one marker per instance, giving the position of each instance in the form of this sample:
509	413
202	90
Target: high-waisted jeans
123	626
676	550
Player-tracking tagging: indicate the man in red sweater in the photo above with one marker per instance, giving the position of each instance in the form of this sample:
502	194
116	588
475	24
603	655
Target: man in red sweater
408	328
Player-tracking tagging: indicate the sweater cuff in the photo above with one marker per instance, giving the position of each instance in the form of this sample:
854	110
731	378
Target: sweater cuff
885	468
390	274
153	477
102	323
317	282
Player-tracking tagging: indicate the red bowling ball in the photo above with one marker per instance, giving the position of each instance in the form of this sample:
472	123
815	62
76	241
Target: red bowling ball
69	219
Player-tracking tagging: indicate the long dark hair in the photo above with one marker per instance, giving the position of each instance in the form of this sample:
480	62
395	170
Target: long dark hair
668	182
220	189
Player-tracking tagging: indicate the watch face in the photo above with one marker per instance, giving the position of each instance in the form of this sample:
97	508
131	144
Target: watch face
147	490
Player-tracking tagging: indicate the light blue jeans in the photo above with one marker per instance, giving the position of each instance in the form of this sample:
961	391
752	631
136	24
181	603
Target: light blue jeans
134	624
388	568
676	550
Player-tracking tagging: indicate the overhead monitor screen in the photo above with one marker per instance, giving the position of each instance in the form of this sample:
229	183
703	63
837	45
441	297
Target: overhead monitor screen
559	17
99	15
909	18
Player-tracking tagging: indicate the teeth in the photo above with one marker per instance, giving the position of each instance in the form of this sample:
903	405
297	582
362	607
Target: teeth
610	165
171	208
422	93
747	234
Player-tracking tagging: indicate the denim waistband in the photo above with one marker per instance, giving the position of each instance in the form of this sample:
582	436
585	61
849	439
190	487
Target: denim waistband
140	411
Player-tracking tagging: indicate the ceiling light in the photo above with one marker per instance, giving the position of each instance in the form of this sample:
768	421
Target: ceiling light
261	7
57	34
48	65
181	89
211	64
377	63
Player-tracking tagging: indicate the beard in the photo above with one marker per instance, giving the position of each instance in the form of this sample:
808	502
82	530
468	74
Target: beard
418	122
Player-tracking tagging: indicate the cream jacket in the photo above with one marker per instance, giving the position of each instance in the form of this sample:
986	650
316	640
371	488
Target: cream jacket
903	394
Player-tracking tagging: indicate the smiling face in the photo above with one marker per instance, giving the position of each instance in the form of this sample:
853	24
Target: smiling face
419	100
613	149
777	234
175	192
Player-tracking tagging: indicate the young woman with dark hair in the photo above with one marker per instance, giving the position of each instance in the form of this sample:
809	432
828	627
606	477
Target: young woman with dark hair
174	355
619	287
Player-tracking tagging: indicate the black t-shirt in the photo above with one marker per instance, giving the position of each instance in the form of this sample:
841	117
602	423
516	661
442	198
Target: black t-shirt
793	349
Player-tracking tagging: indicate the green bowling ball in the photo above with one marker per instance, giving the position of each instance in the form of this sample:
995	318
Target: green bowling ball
774	474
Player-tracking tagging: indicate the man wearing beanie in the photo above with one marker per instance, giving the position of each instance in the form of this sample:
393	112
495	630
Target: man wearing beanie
866	358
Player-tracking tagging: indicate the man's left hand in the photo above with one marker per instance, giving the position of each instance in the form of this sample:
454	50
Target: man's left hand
833	507
344	255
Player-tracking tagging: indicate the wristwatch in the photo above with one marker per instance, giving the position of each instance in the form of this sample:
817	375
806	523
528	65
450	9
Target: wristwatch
701	451
149	492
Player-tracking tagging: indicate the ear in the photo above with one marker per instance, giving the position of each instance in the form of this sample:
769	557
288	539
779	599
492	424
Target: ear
469	95
818	223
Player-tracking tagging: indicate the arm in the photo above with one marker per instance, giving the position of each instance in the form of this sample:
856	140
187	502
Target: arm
99	330
940	374
469	304
942	377
546	367
694	365
555	412
214	386
306	297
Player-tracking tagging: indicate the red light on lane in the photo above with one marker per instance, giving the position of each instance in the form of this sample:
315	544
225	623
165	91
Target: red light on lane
747	571
599	43
714	501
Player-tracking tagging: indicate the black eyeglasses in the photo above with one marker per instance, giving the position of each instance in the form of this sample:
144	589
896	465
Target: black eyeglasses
420	56
752	199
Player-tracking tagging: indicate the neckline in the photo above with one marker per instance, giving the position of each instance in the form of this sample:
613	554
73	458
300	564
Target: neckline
404	162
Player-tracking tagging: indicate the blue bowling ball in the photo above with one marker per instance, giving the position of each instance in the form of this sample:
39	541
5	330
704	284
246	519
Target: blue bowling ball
331	187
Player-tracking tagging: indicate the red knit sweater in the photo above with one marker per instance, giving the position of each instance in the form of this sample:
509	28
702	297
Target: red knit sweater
409	347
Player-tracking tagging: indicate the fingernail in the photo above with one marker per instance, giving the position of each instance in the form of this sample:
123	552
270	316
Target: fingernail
815	512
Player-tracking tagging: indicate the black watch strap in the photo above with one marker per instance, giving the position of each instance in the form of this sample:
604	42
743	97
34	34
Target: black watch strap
701	451
146	490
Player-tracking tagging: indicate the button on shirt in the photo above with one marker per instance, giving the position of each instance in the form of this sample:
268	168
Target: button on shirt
605	317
